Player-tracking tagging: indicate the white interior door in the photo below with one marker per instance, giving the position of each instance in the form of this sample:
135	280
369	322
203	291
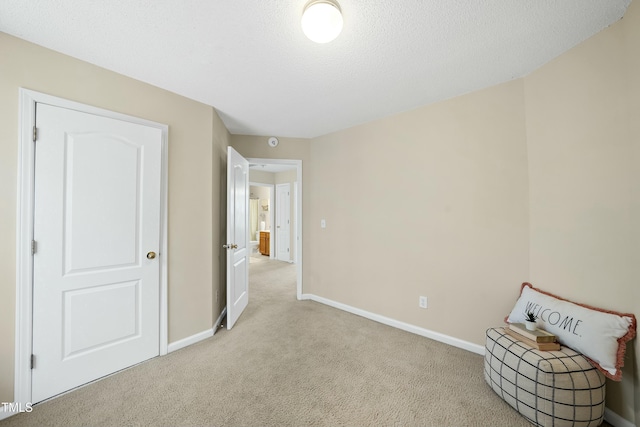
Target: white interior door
96	271
283	222
237	236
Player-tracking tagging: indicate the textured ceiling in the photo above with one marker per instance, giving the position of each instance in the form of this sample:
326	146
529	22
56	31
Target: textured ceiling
250	60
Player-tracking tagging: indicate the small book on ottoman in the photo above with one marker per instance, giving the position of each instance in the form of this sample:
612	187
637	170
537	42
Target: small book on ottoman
544	346
538	335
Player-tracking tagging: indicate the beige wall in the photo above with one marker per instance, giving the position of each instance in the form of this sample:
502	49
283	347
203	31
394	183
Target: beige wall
431	202
261	176
221	139
287	149
197	142
584	170
631	40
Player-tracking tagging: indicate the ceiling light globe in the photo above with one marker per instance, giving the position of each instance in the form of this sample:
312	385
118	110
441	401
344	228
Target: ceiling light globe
322	21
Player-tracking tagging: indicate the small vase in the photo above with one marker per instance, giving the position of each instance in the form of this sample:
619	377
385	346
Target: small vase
530	325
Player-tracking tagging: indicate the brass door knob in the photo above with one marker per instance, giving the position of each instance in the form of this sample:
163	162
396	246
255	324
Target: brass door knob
151	255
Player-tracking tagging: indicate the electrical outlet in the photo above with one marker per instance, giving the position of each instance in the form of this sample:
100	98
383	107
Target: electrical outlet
422	302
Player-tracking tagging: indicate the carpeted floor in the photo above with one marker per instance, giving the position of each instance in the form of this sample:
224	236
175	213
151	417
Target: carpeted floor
290	363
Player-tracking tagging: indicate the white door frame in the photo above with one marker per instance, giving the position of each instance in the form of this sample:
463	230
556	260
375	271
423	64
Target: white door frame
295	221
277	236
24	230
298	213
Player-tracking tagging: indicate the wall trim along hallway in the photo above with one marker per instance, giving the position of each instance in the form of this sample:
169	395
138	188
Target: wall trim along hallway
200	336
446	339
616	420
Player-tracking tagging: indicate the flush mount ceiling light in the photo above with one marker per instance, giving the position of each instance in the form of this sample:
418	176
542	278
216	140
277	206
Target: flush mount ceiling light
322	21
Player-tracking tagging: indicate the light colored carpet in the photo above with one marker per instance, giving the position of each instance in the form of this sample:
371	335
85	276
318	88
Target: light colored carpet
290	363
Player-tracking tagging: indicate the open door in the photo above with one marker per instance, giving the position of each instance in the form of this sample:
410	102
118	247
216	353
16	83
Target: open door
237	236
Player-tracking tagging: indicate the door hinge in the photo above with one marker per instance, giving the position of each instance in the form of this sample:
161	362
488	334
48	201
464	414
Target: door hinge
34	247
35	134
33	361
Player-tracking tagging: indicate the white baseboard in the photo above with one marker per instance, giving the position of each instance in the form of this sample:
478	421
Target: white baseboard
465	345
4	414
177	345
219	321
616	420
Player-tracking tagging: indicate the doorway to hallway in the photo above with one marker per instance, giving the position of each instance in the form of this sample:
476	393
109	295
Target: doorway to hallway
274	172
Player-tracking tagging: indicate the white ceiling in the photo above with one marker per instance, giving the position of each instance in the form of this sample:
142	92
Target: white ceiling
250	60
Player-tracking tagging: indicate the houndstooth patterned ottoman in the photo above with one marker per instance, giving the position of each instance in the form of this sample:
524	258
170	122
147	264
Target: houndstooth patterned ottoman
549	388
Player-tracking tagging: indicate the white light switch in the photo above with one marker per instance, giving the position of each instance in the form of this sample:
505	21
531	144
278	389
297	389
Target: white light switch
323	223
